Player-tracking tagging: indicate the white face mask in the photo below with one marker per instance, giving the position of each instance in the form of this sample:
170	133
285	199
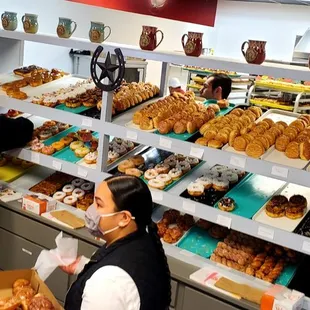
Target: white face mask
92	218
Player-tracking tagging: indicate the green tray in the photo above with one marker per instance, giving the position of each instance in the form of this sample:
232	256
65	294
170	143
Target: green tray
77	110
222	111
287	275
60	135
252	194
177	181
199	242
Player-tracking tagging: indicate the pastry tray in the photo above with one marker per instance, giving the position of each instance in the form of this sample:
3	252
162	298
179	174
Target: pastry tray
271	105
273	155
284	222
251	194
211	196
10	172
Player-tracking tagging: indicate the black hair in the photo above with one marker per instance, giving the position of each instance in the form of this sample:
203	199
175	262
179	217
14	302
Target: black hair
132	194
223	81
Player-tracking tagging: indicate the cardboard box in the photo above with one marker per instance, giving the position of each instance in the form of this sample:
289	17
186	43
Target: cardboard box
291	300
7	278
38	204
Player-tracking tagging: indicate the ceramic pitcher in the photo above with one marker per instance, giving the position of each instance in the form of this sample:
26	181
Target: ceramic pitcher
193	46
30	23
9	20
96	32
255	53
64	28
148	38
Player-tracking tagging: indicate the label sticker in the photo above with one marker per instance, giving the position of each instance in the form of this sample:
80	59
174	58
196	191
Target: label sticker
279	171
238	161
306	246
189	206
157	195
82	172
35	157
87	122
265	232
57	165
224	221
131	135
197	152
166	143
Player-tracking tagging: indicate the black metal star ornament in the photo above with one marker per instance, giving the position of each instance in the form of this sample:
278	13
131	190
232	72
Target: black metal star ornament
107	70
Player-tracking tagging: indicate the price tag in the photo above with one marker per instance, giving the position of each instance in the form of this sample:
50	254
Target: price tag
187	253
197	152
224	221
157	195
165	143
131	135
189	206
306	246
82	172
57	165
87	122
238	161
265	232
35	158
279	171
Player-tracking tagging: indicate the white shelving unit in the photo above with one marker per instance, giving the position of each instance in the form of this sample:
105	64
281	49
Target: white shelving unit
106	127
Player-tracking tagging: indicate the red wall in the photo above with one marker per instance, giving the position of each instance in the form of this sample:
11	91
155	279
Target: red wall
193	11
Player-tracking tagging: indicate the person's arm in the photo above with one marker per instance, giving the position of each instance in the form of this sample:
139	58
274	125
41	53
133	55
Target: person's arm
15	133
110	287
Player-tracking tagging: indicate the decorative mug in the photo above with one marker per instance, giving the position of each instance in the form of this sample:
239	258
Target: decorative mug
30	23
64	28
193	46
255	53
148	38
9	20
96	32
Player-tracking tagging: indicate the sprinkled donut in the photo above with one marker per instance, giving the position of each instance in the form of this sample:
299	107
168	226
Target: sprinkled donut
232	177
192	161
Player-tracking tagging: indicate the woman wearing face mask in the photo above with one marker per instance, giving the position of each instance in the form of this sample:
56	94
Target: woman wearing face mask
130	272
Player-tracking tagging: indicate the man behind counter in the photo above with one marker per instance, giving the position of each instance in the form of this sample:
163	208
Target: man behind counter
14	133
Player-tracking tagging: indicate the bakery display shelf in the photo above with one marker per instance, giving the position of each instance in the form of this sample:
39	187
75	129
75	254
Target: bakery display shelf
9	77
286	88
194	86
251	194
271	105
284	222
207	72
11	172
236	65
59	164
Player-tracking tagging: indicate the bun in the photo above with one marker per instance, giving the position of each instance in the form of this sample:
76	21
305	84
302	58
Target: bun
223	103
214	107
215	144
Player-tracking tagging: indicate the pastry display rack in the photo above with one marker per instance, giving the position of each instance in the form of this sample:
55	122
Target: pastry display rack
107	127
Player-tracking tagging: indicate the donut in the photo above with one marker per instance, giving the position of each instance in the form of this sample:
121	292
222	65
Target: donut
206	181
70	200
87	186
134	172
54	130
150	174
212	174
239	172
226	204
49	124
166	178
137	160
75	145
59	196
221	184
66	140
157	184
172	162
62	126
81	151
219	169
45	134
112	156
232	177
48	150
175	173
192	161
129	145
184	166
37	147
162	168
120	149
195	189
91	158
68	189
58	145
77	182
118	140
78	193
125	164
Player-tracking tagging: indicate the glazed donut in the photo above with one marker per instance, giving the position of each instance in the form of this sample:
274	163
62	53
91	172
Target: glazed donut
172	162
150	174
125	164
221	184
137	160
91	158
37	147
120	149
195	189
45	134
78	193
66	140
162	168
48	150
75	145
118	140
70	200
68	189
184	166
157	184
77	182
206	181
112	156
134	172
192	161
58	145
175	173
87	187
232	177
166	178
81	151
59	196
